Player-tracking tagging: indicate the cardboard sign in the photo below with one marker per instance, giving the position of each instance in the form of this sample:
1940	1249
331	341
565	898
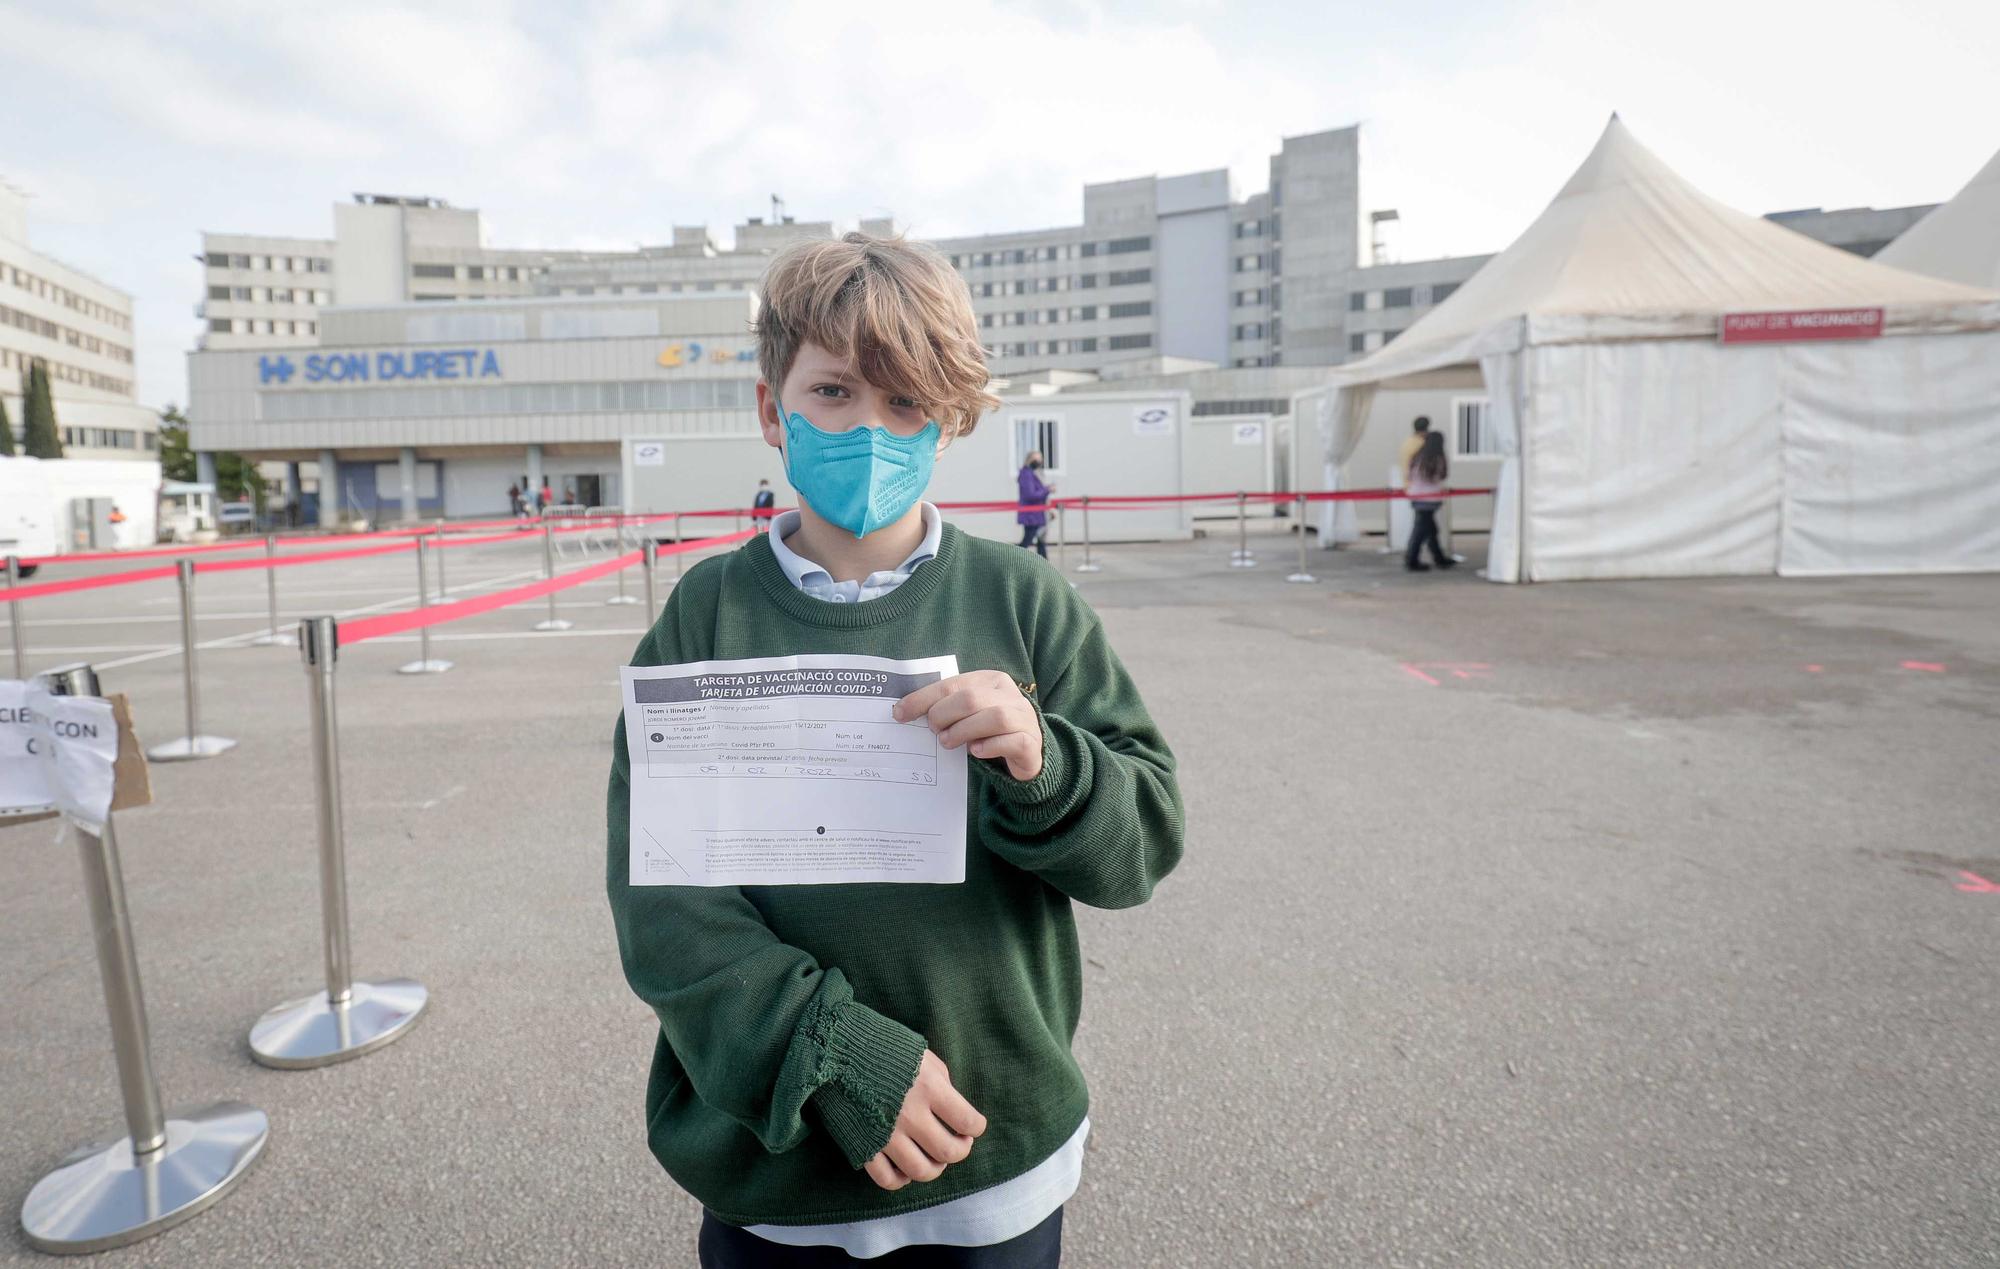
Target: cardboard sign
71	755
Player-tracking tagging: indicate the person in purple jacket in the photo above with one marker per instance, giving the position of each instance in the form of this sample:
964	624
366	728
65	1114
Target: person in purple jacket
1034	493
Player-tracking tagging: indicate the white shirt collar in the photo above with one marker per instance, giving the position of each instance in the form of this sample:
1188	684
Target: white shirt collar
803	572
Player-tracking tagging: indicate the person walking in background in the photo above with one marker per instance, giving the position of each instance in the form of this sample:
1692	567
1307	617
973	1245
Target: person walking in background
761	507
1412	443
514	500
543	496
1034	493
1424	481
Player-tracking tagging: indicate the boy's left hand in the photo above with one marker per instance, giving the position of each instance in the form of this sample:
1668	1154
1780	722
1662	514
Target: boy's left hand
984	710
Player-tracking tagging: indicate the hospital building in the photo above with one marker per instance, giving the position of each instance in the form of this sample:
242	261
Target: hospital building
424	371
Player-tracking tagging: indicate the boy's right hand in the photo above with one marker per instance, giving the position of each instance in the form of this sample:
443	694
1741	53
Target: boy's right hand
935	1128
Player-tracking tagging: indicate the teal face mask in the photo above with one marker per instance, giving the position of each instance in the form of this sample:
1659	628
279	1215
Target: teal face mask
860	479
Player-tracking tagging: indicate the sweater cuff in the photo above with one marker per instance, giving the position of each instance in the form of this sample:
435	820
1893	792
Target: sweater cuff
872	1063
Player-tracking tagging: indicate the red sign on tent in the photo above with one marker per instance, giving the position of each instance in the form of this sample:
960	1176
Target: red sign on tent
1816	323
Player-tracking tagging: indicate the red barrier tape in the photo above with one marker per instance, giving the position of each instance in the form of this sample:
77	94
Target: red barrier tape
85	557
317	557
30	591
393	623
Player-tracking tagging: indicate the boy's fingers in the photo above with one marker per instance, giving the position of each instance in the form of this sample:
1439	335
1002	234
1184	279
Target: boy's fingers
911	1160
991	721
938	1141
957	1113
919	702
885	1174
1012	745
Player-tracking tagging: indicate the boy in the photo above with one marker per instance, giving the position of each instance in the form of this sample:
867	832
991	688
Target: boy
824	1047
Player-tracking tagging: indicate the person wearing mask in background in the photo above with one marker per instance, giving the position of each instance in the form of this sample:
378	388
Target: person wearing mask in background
761	507
1424	481
1034	493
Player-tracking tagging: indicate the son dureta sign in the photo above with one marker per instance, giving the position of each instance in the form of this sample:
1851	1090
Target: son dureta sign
430	364
1818	323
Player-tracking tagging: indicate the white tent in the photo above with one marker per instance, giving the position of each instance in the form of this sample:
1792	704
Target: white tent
1636	443
1960	240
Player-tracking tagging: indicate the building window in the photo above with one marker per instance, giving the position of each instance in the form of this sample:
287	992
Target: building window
1141	308
1088	249
1121	342
1249	228
1397	297
1246	299
1249	264
476	272
1087	345
1086	282
1250	330
1129	277
216	260
220	325
1121	246
432	271
1474	430
1357	301
218	293
1043	433
1441	291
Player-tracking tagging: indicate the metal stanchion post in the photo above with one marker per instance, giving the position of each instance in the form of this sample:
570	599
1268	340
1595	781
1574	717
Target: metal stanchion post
549	571
677	542
621	597
349	1018
271	638
651	558
423	664
1302	575
14	619
437	540
194	744
168	1167
1087	566
1242	558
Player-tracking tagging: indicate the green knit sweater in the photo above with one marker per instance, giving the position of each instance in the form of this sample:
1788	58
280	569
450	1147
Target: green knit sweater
792	1018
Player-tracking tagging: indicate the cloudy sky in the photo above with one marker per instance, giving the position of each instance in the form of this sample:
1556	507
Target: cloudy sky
600	123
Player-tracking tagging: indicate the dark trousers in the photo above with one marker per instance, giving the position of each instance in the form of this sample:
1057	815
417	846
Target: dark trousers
1037	536
1424	530
727	1247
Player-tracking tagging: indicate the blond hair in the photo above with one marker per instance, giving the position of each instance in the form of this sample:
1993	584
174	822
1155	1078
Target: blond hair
898	314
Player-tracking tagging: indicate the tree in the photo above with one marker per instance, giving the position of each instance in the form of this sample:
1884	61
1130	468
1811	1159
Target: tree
39	415
6	431
235	475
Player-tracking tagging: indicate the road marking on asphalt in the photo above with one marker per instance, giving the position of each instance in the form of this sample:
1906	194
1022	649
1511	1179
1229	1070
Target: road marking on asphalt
1453	669
1976	884
1928	667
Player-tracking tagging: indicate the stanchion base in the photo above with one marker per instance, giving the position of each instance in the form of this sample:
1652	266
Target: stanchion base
1301	578
554	623
311	1032
275	640
623	599
424	667
188	748
1244	563
100	1197
1090	568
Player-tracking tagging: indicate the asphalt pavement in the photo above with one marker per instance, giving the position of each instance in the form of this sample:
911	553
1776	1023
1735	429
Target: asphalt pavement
1635	923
